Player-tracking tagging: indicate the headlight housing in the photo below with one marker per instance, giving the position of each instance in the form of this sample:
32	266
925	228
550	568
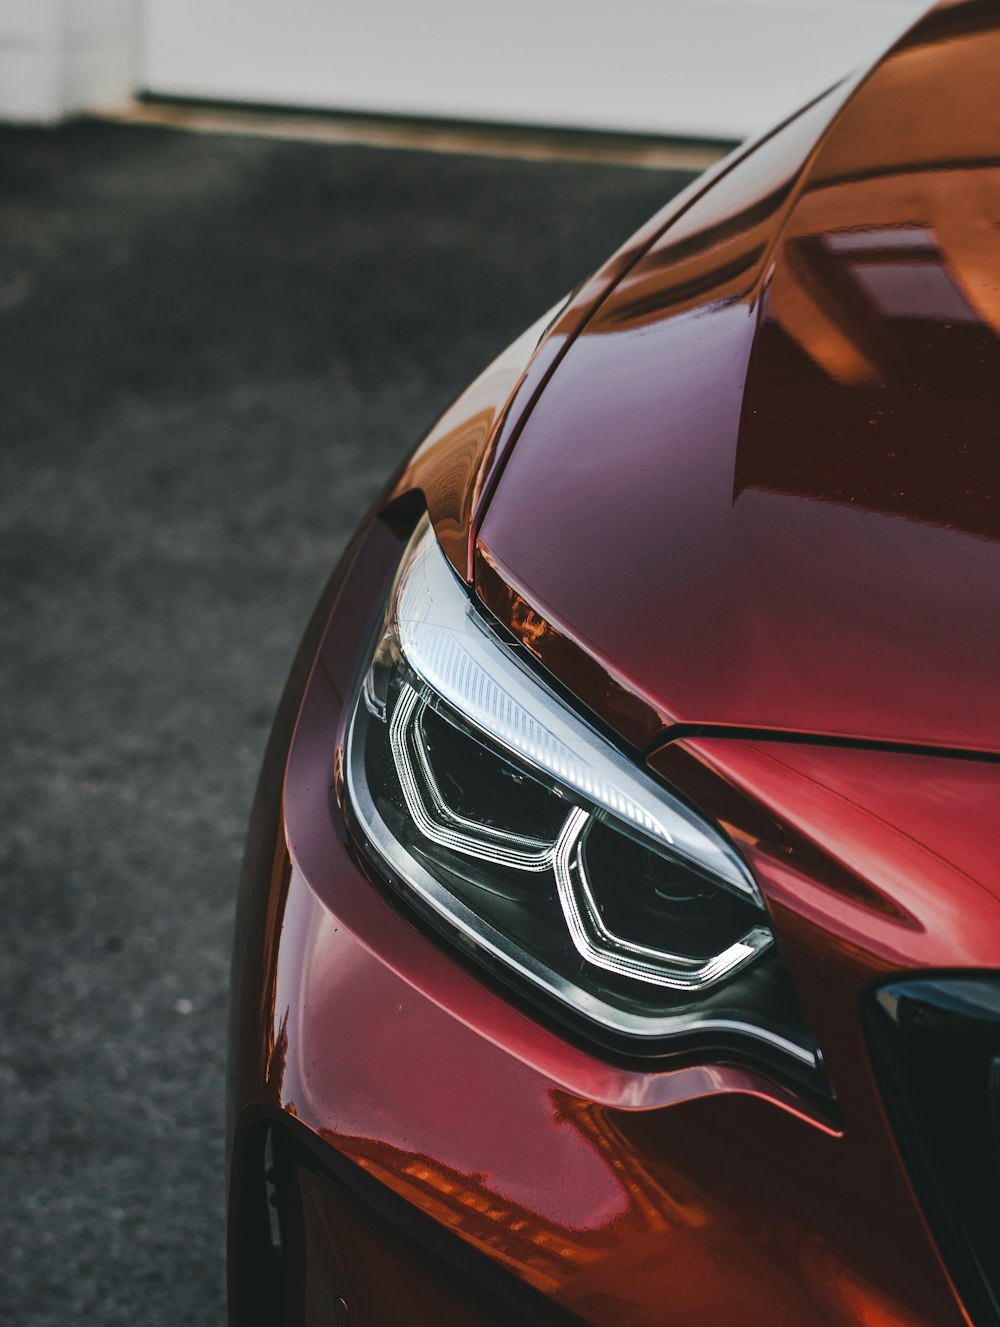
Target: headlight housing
547	853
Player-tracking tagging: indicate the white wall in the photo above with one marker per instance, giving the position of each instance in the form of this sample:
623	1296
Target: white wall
689	67
60	56
694	67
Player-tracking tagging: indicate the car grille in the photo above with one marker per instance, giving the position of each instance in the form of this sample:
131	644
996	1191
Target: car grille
935	1043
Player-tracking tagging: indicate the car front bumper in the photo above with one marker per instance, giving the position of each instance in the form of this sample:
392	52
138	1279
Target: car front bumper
438	1155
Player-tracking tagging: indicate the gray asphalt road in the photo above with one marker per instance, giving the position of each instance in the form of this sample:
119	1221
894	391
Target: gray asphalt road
213	350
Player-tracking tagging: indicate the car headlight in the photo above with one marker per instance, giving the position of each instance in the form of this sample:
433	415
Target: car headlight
544	850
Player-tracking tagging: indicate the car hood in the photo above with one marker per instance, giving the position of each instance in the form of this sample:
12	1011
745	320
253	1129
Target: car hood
761	490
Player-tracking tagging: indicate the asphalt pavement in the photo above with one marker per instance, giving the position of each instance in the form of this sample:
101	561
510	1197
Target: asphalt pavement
212	351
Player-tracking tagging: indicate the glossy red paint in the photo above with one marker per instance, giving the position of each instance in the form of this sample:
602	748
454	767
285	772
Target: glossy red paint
762	489
456	467
689	508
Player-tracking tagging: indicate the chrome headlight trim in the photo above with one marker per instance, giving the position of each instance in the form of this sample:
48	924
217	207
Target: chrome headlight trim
445	657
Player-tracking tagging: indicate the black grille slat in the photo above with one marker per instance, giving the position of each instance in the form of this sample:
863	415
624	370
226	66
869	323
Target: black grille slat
935	1044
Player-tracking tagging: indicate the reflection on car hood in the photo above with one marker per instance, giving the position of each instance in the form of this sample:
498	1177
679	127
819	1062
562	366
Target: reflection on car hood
762	488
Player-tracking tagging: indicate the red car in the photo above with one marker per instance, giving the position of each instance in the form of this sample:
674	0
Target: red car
619	939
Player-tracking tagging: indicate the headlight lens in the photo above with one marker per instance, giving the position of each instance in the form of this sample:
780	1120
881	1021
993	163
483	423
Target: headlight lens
544	850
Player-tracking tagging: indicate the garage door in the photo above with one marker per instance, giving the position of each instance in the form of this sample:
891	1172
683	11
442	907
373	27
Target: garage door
694	67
